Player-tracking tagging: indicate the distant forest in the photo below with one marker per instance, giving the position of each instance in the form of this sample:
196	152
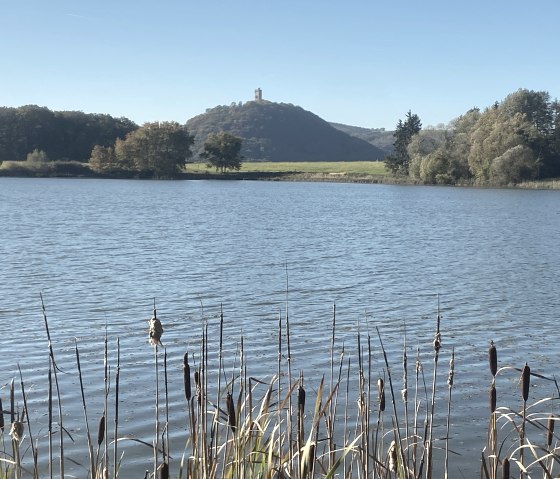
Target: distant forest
60	135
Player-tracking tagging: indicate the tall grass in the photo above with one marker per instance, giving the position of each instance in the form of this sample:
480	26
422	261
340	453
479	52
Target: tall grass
351	423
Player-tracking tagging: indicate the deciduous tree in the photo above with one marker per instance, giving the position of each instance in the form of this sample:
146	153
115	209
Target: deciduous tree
155	149
223	151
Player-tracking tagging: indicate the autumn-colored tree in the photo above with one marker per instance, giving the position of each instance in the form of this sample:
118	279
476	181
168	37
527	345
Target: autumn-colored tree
155	149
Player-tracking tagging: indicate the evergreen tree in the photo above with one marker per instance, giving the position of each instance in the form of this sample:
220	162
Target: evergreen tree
398	162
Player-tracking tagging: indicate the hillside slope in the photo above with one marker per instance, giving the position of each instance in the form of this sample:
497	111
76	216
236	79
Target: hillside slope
281	132
378	137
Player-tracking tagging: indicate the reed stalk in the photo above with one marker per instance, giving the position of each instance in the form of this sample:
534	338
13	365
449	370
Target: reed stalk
289	425
50	419
54	370
398	437
332	412
404	394
279	392
116	430
92	464
525	383
429	440
106	384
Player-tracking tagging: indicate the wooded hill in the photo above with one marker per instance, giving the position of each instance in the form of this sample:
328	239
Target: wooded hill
281	132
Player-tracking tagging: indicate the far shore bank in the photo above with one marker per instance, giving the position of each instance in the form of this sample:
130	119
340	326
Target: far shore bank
283	173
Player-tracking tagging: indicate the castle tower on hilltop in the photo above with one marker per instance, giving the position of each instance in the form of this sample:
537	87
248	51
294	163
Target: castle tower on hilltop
258	94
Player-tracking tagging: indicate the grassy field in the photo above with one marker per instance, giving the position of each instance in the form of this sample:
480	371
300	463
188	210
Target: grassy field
323	167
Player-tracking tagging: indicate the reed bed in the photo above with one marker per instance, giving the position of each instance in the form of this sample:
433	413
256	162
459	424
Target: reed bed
350	423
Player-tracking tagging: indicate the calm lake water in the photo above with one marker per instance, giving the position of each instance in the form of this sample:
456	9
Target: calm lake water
100	251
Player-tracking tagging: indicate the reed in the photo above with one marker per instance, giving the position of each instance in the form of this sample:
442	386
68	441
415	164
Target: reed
238	426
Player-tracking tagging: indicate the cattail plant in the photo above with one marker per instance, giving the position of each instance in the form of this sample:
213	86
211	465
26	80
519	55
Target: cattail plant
505	468
187	377
301	411
429	439
525	382
493	359
492	427
155	331
549	431
164	471
16	433
450	380
232	421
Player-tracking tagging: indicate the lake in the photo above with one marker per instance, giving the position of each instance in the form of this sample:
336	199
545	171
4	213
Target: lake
101	251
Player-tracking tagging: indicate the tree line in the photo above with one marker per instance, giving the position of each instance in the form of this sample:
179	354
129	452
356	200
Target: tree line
61	135
36	140
508	142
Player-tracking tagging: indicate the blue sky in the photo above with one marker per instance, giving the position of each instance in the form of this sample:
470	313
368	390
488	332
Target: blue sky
363	63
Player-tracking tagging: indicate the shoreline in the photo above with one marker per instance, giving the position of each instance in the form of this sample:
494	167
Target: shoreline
294	176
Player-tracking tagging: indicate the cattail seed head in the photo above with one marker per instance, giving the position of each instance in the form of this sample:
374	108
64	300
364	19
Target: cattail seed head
392	454
101	430
198	387
493	359
451	369
155	330
187	376
16	431
549	431
492	398
437	342
505	468
381	394
1	417
231	412
525	381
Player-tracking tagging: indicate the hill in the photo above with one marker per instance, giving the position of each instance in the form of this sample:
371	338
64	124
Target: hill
378	137
281	132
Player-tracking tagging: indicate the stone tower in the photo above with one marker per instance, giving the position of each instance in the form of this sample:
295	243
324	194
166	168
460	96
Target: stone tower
258	94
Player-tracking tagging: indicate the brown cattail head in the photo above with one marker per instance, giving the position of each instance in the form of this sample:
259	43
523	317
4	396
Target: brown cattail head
381	394
549	430
164	471
187	377
101	430
1	417
437	342
505	468
493	359
492	398
231	412
301	399
525	381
